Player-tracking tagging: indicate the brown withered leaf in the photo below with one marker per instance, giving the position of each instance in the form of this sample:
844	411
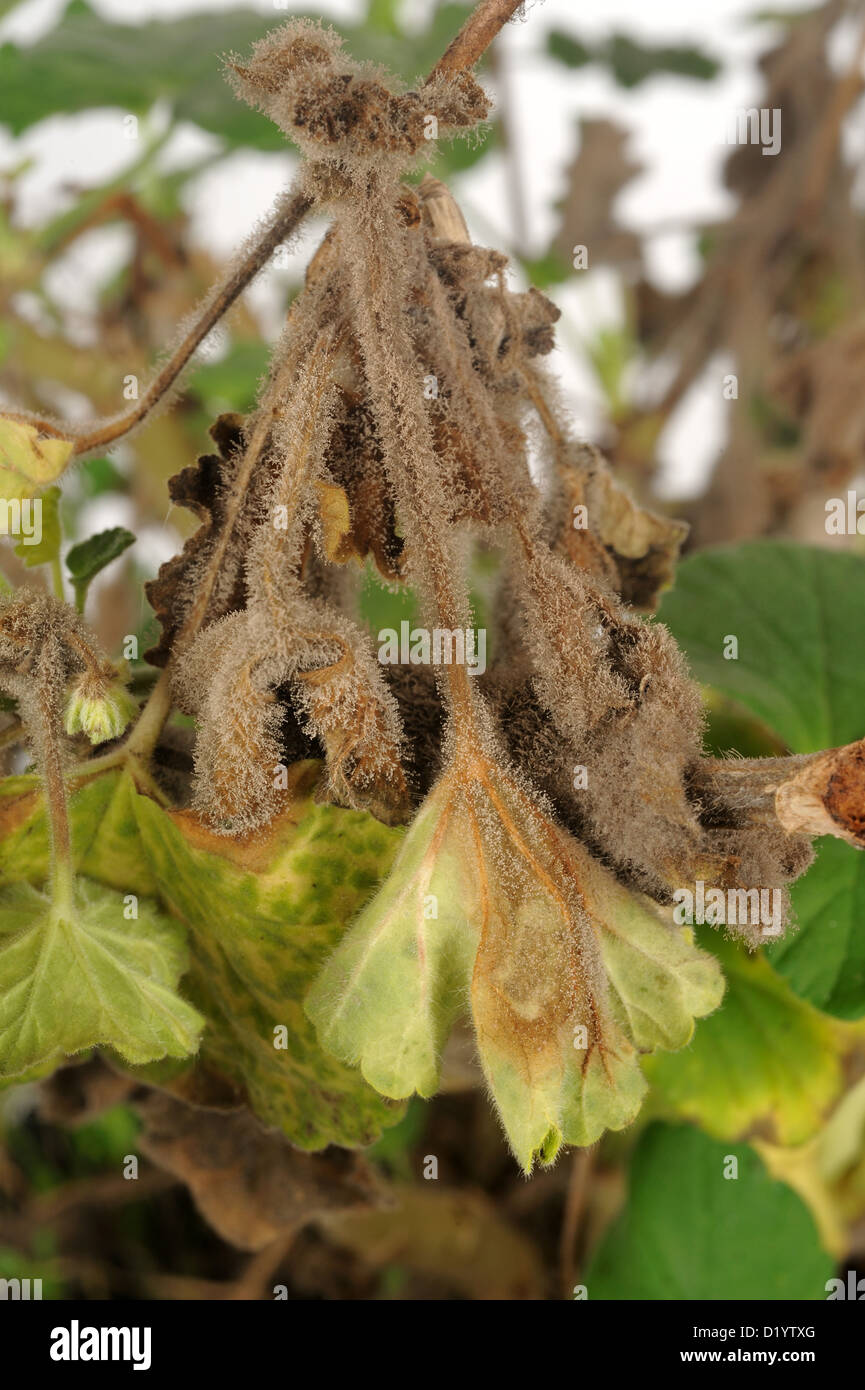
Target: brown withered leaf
455	1237
354	462
623	542
201	488
77	1093
248	1182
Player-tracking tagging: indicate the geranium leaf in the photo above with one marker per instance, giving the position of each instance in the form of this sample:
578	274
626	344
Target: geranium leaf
765	1062
92	974
29	460
263	916
567	976
696	1228
106	844
89	557
824	960
798	668
795	665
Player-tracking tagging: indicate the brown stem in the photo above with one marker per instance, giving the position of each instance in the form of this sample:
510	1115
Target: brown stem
52	775
107	432
575	1205
825	141
475	36
818	794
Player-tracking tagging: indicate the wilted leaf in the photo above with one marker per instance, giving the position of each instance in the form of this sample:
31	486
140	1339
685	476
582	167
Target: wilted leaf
689	1231
457	1238
29	460
204	489
263	914
799	669
765	1063
569	976
643	546
250	1185
89	975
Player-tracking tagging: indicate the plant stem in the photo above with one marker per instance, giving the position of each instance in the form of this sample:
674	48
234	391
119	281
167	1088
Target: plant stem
475	36
62	873
284	221
139	745
144	736
57	579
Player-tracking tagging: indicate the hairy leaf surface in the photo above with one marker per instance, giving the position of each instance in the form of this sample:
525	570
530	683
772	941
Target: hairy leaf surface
88	976
490	909
263	916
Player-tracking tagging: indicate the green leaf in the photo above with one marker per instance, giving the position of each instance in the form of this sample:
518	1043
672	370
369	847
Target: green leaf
383	15
798	613
45	549
84	60
86	559
824	960
106	844
29	461
764	1062
373	1002
568	50
688	1232
86	976
631	62
258	936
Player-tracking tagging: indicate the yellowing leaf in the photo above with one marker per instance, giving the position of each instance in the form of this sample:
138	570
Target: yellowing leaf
335	522
263	914
29	459
766	1062
89	975
105	840
567	975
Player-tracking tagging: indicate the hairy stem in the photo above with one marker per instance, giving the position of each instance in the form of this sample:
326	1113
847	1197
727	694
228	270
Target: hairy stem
284	222
816	794
62	874
144	736
475	37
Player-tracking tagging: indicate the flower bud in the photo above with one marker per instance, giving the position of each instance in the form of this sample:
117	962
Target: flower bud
101	710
